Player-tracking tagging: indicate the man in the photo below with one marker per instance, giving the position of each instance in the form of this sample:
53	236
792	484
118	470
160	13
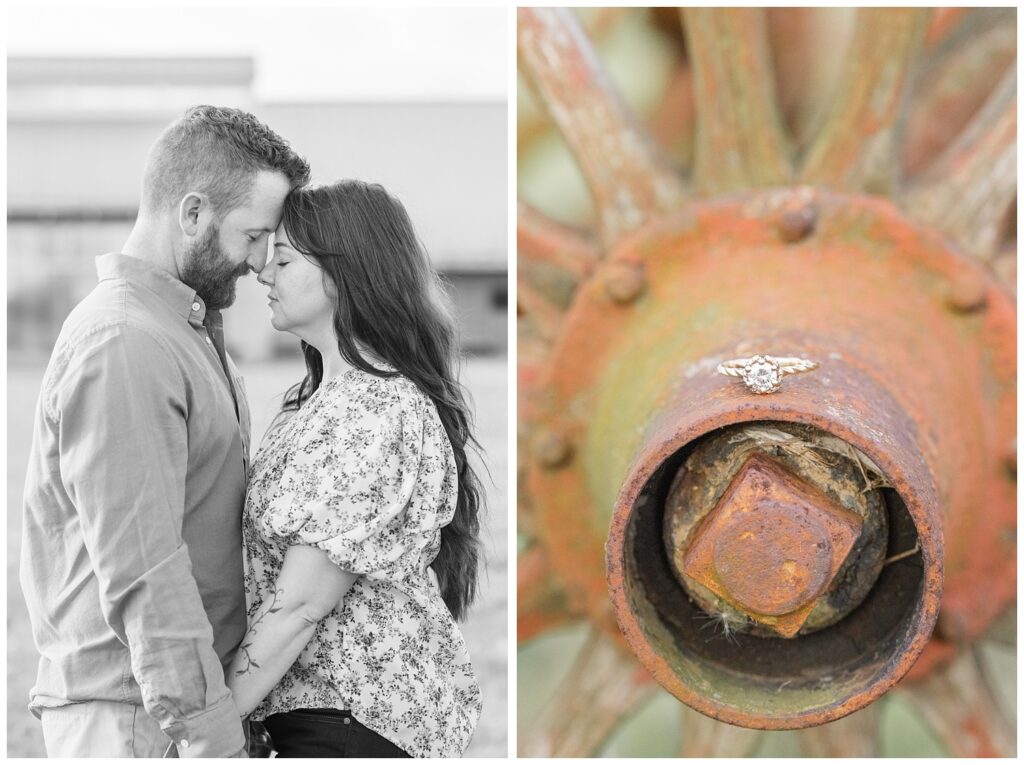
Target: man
131	550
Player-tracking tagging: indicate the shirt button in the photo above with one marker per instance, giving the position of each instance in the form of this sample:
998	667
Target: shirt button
196	306
183	743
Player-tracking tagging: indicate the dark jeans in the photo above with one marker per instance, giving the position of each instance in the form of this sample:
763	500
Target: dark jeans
326	733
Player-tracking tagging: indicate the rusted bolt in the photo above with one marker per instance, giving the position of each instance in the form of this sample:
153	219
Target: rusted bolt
712	467
771	546
967	293
624	282
552	450
771	560
797	222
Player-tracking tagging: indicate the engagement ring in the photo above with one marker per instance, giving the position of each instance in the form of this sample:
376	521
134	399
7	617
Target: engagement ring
763	374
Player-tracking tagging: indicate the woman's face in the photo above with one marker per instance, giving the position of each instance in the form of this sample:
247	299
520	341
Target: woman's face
298	301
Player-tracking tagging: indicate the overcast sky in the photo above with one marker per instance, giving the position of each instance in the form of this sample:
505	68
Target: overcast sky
301	54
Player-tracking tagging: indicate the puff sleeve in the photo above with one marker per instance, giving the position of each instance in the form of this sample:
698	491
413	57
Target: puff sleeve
354	484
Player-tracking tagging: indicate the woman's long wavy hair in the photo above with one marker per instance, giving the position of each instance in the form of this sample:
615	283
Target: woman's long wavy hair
391	301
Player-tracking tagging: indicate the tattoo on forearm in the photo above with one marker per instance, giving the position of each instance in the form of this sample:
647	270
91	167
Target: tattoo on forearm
244	648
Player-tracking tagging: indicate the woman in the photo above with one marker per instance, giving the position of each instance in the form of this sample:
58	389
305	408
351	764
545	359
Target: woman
361	518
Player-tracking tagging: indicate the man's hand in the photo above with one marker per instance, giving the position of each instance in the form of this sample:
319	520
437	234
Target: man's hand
257	740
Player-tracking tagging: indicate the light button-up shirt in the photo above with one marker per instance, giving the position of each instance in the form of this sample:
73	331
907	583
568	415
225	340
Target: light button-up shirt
131	550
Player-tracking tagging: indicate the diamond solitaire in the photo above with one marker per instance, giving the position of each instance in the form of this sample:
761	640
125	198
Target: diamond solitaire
763	374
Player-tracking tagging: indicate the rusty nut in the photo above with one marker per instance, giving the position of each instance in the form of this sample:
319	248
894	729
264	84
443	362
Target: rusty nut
772	545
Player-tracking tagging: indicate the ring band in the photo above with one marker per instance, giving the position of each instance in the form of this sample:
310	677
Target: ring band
763	374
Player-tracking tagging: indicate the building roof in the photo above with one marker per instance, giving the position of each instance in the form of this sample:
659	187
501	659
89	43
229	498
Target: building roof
79	130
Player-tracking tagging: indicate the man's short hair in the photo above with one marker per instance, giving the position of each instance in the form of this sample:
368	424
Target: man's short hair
216	151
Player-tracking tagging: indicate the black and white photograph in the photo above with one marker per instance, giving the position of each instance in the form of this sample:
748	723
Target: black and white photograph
257	382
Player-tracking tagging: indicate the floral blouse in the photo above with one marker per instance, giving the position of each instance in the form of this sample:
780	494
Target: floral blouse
364	471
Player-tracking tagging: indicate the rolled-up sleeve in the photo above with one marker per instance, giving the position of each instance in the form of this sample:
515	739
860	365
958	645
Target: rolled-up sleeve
121	411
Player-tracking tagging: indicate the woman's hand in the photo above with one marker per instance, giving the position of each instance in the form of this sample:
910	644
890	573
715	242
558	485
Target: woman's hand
308	588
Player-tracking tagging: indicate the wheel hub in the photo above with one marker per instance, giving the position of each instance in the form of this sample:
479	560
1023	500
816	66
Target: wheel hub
924	390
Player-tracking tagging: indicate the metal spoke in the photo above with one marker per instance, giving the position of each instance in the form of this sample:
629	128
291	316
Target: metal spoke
673	124
963	712
627	175
533	352
1004	264
853	736
794	38
552	257
706	737
954	80
533	122
525	511
545	315
856	148
942	24
541	604
1003	630
603	687
969	189
740	140
947	25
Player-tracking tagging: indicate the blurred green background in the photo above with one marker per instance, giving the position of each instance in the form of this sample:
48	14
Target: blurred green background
656	730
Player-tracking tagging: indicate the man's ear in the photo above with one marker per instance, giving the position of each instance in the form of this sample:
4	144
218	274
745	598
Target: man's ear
188	212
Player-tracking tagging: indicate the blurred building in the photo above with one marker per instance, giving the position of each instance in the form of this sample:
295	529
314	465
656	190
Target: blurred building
78	131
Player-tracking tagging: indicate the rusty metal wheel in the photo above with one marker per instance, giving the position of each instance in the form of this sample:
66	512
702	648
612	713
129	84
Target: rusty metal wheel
774	562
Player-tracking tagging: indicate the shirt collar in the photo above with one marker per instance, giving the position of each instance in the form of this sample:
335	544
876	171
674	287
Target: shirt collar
178	295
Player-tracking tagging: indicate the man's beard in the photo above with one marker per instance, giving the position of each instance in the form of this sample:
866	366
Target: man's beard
210	273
